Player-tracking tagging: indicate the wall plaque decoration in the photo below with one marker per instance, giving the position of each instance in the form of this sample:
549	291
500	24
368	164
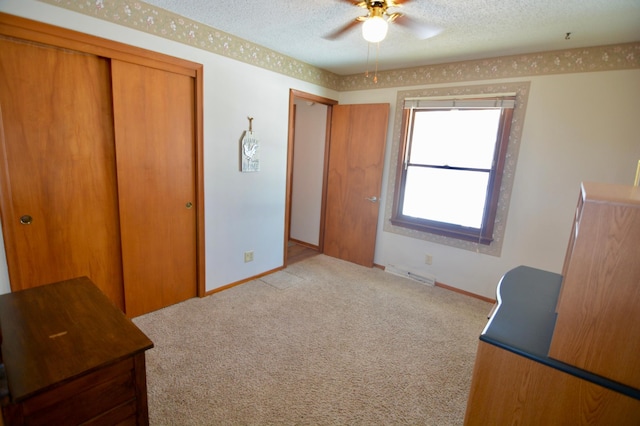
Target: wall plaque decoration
250	155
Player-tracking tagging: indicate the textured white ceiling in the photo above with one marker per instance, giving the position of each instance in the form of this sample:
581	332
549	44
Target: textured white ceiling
472	29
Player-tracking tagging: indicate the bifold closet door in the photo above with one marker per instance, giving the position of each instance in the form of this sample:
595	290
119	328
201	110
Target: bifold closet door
154	116
57	168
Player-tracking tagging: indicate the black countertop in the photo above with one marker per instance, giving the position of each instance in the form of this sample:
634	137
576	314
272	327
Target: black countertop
525	319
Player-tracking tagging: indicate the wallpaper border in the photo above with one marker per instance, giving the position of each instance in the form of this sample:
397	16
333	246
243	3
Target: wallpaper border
162	23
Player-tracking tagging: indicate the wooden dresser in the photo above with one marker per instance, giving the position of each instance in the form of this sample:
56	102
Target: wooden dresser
71	357
565	349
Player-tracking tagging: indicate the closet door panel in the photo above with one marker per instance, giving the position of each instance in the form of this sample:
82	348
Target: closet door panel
58	167
154	114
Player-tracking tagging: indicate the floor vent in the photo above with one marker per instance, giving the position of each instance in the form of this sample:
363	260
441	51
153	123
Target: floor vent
401	271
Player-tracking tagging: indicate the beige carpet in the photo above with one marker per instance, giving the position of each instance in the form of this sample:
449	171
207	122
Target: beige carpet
324	342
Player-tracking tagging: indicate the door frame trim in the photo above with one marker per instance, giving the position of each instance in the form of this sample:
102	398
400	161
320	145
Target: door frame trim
293	95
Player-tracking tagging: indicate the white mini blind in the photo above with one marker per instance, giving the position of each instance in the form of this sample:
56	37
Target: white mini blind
501	100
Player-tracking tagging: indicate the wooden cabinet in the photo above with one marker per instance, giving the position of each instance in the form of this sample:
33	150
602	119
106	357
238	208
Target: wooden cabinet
512	389
598	325
71	357
100	168
564	349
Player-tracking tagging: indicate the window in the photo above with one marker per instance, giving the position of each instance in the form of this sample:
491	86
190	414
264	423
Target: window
450	164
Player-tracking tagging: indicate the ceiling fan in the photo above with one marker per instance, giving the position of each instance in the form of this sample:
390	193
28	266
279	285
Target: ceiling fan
375	23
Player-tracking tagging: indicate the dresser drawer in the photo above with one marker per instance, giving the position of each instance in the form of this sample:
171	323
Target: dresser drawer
106	391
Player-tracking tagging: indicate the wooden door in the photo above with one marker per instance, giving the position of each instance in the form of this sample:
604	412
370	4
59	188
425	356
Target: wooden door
154	114
356	158
57	160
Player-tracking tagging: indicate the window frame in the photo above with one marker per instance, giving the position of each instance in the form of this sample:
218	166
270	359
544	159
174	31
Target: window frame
483	235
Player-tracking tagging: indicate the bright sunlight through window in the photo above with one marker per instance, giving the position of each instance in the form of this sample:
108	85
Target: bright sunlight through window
452	159
449	164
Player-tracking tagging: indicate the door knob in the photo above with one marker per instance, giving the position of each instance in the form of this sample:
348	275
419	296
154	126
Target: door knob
26	219
189	205
372	199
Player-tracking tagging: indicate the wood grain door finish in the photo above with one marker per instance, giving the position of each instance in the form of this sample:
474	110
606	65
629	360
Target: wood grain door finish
356	158
154	114
58	178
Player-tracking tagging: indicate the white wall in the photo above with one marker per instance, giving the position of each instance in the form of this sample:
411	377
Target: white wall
308	167
243	211
578	127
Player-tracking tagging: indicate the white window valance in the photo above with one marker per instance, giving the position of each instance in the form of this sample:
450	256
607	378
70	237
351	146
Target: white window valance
496	100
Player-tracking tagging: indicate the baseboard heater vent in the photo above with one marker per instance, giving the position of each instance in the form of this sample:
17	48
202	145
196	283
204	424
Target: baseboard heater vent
401	271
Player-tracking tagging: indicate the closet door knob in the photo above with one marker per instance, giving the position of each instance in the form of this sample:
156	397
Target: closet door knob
26	219
189	205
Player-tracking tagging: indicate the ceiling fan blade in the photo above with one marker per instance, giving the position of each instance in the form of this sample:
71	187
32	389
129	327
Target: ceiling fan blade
342	30
420	30
355	2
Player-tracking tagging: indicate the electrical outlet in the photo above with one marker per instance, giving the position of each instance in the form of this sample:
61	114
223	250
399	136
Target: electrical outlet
248	256
428	259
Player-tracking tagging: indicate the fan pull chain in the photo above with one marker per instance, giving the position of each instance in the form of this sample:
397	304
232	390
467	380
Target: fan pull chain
375	73
366	73
375	76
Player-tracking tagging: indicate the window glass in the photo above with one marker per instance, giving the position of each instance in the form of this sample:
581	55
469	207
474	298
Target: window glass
449	196
465	138
451	169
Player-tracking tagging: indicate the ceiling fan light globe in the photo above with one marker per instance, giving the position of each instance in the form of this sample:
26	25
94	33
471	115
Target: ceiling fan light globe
374	29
